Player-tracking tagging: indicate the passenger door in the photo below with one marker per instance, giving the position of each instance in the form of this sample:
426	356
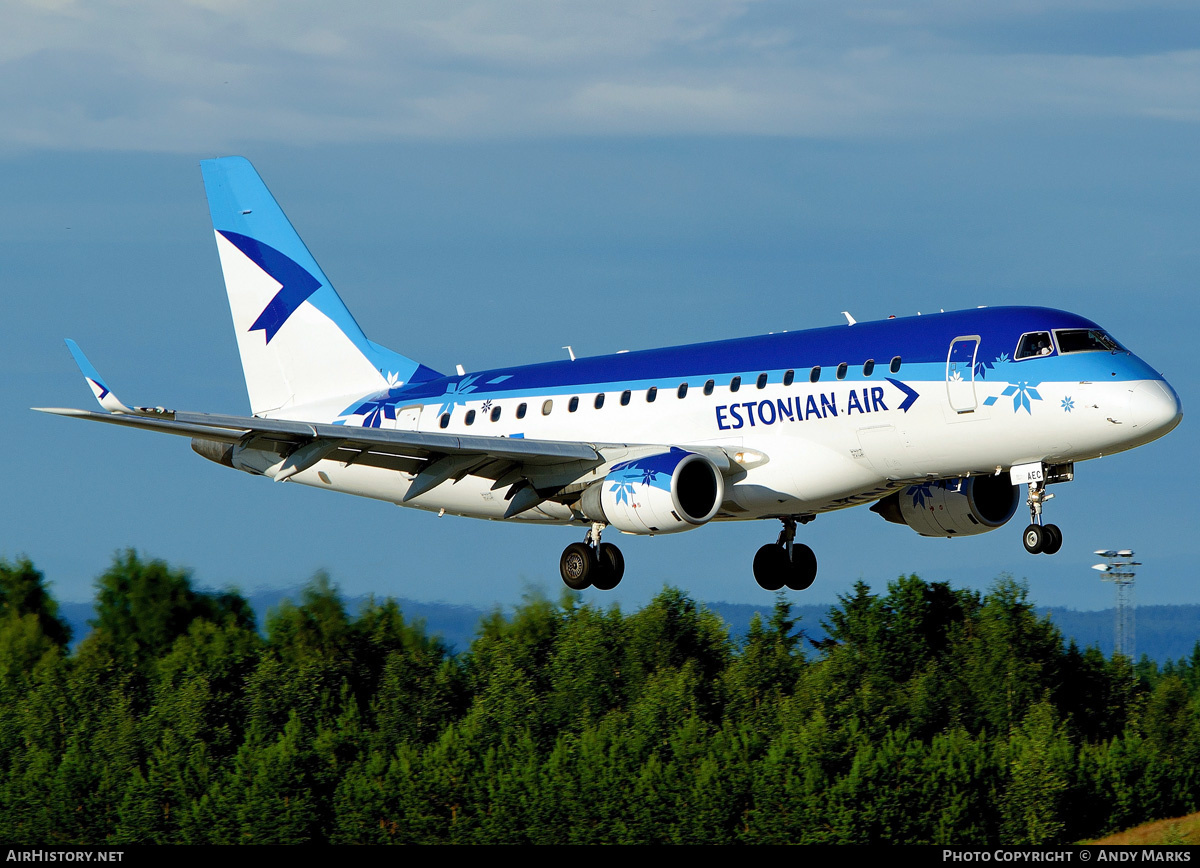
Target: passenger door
960	373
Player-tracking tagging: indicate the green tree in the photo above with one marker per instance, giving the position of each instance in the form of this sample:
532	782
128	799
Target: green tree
1038	760
23	592
143	607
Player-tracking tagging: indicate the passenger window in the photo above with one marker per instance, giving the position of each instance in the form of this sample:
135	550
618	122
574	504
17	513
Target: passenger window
788	377
521	408
1033	345
470	420
445	420
625	396
651	394
762	381
573	405
708	387
868	367
681	392
841	371
895	366
814	374
735	384
599	400
547	406
496	413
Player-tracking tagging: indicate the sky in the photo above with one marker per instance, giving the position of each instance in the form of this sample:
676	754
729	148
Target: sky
487	182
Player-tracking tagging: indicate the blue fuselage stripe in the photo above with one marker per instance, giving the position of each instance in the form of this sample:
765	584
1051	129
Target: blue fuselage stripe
922	343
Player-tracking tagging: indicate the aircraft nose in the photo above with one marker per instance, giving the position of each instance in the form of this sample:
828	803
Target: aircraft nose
1155	407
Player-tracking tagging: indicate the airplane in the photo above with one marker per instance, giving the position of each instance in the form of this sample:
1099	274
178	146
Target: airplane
936	420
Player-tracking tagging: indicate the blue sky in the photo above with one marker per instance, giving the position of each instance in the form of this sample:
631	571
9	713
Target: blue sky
486	182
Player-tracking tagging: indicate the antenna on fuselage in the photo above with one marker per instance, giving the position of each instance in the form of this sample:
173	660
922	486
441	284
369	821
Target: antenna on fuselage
570	352
849	319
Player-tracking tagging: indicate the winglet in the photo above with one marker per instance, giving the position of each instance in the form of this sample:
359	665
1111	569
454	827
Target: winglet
100	389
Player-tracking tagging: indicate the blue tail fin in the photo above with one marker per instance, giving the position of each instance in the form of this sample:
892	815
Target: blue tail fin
298	342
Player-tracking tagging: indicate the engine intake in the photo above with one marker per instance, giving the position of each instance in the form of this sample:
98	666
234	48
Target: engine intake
953	507
664	493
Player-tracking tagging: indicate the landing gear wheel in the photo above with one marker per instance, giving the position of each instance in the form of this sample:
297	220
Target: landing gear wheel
610	567
802	571
578	566
770	567
1053	541
1035	538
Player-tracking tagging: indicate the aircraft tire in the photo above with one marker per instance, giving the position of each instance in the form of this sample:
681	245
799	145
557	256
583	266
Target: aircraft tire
1034	538
610	567
1054	539
577	566
771	567
803	568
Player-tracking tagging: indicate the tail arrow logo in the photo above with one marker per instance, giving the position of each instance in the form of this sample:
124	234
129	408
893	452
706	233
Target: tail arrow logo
295	284
910	395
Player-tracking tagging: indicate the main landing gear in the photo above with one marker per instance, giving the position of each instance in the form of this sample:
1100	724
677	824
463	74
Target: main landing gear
592	563
785	562
1040	538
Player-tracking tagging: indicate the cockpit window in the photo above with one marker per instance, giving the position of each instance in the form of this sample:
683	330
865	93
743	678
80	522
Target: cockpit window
1085	341
1034	344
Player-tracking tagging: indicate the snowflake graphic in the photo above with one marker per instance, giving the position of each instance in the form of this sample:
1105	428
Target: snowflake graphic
456	392
648	476
955	376
643	472
924	491
982	367
623	490
919	493
1022	392
376	411
487	405
1068	404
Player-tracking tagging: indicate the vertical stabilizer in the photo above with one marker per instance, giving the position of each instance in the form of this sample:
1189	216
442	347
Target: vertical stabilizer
298	342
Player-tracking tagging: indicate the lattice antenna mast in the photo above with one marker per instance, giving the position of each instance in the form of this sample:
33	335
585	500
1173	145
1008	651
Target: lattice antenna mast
1119	569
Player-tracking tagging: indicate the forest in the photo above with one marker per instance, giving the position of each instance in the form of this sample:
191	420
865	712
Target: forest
928	714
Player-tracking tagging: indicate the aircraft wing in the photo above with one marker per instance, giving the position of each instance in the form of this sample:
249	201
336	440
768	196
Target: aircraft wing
531	470
416	444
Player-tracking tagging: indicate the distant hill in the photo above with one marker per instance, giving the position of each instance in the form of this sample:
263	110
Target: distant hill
1163	632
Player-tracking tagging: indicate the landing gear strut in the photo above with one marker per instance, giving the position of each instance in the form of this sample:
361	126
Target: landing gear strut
1040	538
785	562
592	563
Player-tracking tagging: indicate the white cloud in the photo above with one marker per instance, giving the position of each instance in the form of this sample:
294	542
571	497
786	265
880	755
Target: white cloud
206	75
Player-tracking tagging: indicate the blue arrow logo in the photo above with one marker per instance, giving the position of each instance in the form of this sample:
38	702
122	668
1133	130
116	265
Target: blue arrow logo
295	284
910	395
103	388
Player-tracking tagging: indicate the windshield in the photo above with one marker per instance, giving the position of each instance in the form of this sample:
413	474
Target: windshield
1085	341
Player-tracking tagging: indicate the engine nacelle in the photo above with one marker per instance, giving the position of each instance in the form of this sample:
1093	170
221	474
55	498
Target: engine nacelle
953	507
252	461
663	493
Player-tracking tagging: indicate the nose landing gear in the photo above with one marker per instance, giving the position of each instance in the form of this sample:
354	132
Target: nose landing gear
1040	538
785	562
592	563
